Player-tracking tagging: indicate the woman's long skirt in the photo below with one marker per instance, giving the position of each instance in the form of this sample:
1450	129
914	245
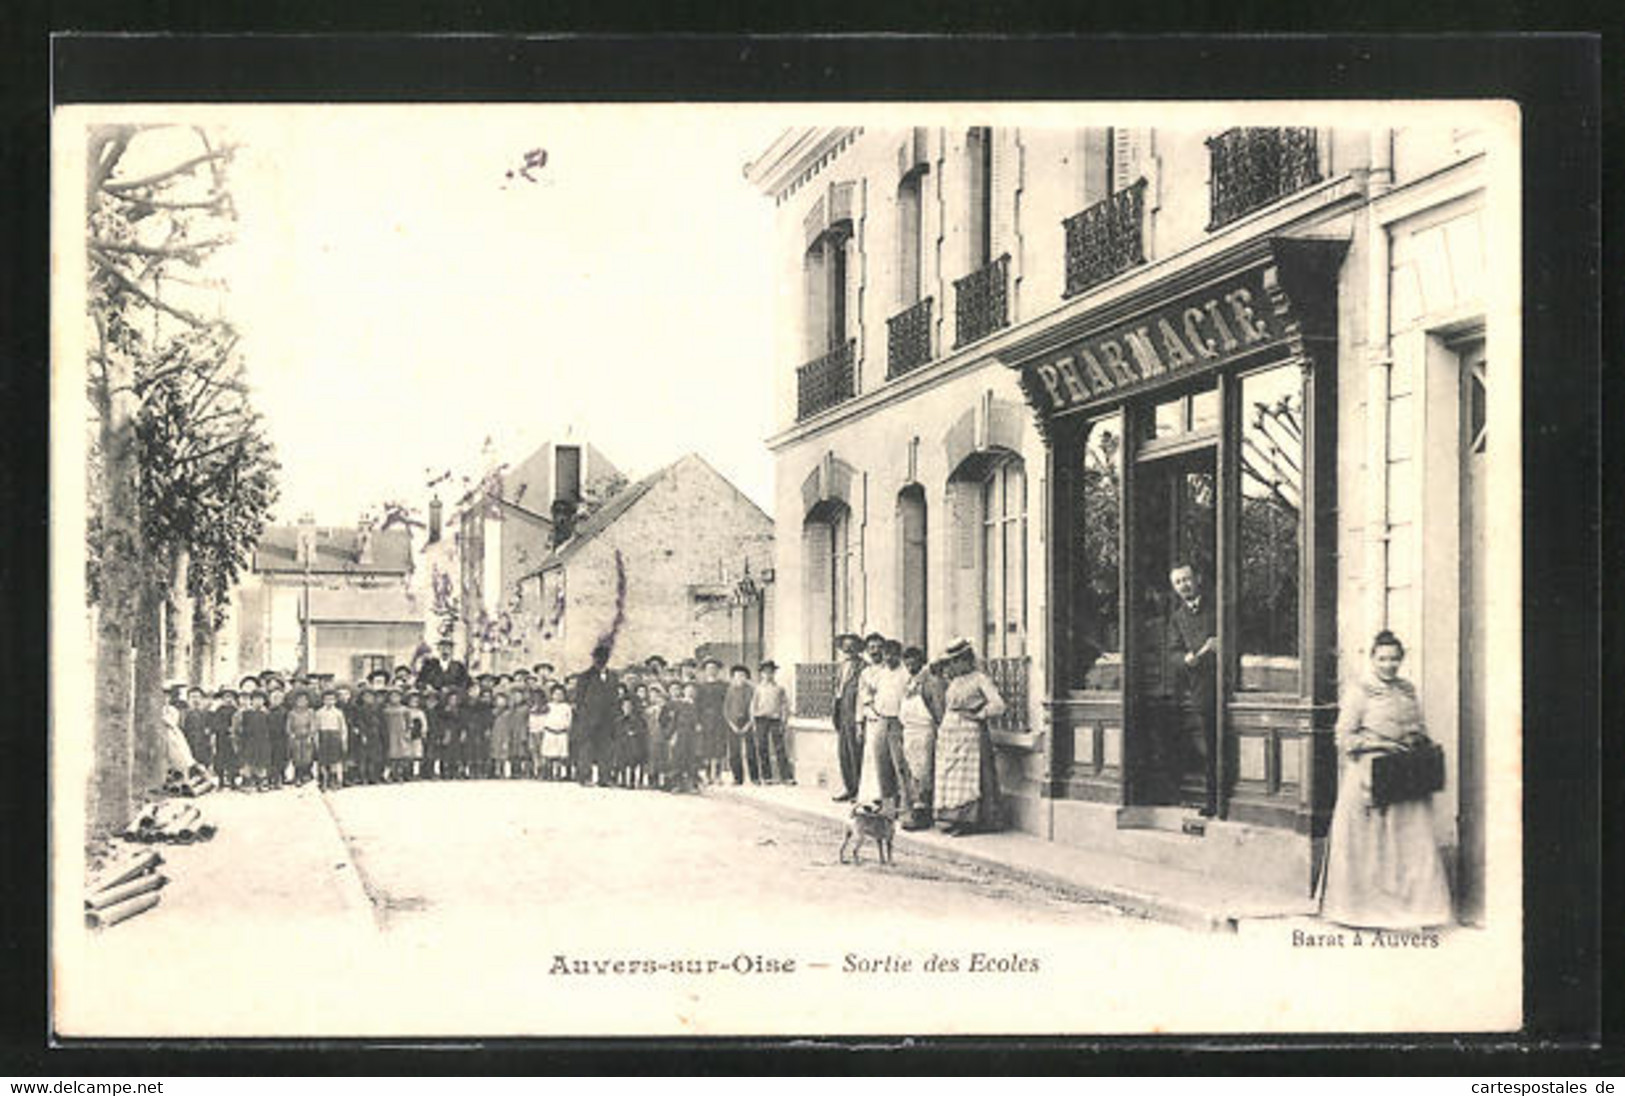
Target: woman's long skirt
967	782
1383	867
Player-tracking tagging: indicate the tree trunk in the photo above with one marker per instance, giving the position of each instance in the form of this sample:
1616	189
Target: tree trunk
178	622
150	750
201	645
108	802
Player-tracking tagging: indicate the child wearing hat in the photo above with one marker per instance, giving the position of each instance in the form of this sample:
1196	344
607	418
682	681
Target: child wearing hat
255	724
769	710
301	733
417	733
224	727
498	749
395	727
195	727
741	742
276	709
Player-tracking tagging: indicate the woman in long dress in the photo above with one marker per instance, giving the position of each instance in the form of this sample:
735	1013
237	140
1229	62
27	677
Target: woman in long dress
1383	867
966	797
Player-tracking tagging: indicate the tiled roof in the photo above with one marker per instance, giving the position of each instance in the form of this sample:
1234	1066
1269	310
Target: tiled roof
611	511
605	516
336	550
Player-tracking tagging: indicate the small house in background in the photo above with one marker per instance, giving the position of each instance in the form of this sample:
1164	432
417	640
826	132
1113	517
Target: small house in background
499	531
329	600
696	558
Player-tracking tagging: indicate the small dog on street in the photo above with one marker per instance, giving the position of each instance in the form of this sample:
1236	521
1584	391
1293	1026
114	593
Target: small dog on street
871	822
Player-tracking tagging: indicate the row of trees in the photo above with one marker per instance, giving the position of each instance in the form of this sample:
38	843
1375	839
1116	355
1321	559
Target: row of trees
181	473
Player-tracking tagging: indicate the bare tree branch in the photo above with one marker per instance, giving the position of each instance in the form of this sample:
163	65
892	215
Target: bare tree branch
234	440
181	168
182	251
211	202
180	314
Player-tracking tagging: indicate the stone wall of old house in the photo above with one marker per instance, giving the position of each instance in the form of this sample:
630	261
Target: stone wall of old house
683	546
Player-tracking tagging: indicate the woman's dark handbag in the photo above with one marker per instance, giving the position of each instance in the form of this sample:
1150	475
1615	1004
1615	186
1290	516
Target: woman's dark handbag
1412	773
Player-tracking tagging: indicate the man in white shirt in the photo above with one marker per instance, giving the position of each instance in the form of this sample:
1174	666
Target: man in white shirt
885	775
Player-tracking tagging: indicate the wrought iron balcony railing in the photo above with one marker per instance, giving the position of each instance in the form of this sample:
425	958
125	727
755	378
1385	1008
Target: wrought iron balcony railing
1250	168
824	382
815	689
1105	239
908	339
1010	677
982	302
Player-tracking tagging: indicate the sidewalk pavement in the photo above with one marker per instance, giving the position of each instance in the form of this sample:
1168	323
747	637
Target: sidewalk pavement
249	924
1192	900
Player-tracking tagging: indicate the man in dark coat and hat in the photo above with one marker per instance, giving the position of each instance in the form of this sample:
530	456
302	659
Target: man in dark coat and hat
848	728
597	707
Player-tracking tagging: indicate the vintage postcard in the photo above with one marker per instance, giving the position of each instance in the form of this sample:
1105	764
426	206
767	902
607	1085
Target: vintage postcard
767	569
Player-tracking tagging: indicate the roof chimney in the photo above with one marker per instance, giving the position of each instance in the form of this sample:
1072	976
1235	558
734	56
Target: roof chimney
434	519
363	542
566	491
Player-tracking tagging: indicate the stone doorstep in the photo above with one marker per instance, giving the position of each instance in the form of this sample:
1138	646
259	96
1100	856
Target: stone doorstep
1155	891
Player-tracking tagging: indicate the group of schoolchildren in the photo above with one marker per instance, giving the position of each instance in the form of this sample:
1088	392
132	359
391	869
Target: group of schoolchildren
650	725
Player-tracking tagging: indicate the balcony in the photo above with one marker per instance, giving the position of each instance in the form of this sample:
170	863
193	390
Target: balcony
908	339
982	302
1250	168
815	689
1105	239
824	382
1010	678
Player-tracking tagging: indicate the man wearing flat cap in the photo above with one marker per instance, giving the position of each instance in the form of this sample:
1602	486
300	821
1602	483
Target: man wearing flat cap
769	710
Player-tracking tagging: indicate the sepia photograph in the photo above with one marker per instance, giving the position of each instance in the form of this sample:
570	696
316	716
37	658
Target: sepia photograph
786	569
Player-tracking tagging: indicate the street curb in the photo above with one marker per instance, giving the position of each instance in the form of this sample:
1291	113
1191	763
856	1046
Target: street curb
352	886
1153	907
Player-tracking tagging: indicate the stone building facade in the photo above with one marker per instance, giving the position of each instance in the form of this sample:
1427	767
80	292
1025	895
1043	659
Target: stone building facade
696	556
1023	372
499	531
333	601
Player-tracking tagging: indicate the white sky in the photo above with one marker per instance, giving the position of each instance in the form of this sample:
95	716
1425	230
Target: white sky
401	301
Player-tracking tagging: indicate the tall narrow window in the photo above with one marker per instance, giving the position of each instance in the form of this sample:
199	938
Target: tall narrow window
1099	577
1130	149
824	276
830	575
835	337
909	216
1271	463
1004	560
911	532
843	567
979	195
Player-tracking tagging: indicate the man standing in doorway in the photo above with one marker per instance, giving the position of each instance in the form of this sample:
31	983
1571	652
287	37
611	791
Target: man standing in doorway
1193	650
848	731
